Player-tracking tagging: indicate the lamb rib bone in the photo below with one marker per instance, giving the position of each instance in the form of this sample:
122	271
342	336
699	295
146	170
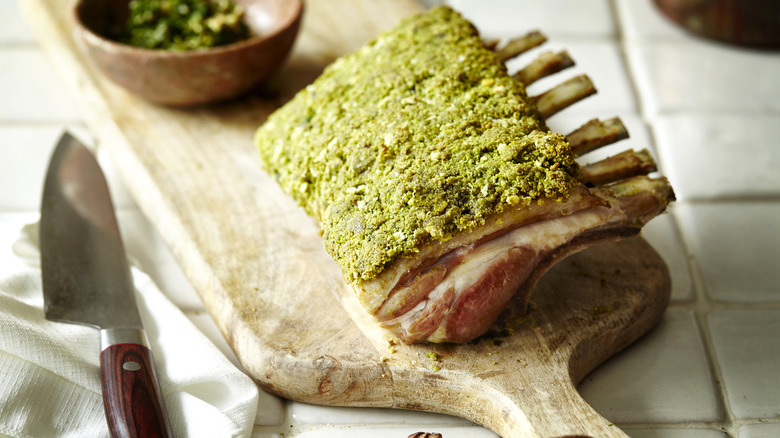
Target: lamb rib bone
545	64
516	46
596	134
623	165
437	301
563	95
454	291
450	284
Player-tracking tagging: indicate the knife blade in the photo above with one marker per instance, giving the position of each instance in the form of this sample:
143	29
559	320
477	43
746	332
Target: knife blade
87	280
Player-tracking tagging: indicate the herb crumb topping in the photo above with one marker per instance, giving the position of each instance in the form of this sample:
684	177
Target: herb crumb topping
416	137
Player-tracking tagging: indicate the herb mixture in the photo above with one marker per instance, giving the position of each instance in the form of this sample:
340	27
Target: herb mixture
184	24
416	137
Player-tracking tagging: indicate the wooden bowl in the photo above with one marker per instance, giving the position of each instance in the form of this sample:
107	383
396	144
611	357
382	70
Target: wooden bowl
187	78
753	24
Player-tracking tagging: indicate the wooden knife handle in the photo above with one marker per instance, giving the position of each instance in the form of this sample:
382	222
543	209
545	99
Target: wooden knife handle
131	395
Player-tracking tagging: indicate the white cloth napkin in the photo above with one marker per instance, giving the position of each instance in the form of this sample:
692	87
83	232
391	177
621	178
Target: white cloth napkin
49	371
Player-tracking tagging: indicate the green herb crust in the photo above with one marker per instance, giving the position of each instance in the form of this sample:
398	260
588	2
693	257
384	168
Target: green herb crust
418	136
183	24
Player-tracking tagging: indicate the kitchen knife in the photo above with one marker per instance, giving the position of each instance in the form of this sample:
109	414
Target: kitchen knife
87	280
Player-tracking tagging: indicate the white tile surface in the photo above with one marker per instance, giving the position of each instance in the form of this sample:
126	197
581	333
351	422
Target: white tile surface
702	102
22	172
152	256
760	430
702	76
119	194
643	20
736	246
12	27
507	18
709	156
747	346
675	433
30	90
313	414
662	233
663	378
26	150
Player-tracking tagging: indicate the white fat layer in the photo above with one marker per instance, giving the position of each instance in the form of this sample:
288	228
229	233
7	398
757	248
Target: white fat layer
538	237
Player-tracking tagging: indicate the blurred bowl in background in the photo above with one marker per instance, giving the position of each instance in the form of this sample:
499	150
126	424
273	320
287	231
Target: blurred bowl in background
194	77
754	23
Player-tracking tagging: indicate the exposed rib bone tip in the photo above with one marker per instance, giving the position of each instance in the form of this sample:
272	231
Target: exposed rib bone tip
520	45
545	64
624	165
491	43
595	134
564	95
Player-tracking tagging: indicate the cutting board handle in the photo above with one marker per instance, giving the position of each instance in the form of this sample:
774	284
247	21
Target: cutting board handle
546	405
553	409
541	402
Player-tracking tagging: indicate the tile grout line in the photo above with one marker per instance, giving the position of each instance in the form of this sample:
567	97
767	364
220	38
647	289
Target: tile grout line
15	45
701	305
31	123
620	42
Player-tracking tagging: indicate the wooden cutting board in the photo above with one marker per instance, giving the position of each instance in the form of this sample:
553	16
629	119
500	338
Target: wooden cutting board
259	266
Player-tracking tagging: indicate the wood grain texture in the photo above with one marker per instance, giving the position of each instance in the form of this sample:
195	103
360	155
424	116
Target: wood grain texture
259	266
131	395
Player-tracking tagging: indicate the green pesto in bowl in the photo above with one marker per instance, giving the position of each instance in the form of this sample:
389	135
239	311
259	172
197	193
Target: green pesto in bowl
182	24
416	137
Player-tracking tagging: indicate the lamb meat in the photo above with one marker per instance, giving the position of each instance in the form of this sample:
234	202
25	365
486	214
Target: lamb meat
439	188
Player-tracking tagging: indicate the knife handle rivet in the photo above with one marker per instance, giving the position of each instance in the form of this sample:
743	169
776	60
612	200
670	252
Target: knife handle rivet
131	366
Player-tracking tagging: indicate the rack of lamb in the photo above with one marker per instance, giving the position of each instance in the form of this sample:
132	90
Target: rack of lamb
439	189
